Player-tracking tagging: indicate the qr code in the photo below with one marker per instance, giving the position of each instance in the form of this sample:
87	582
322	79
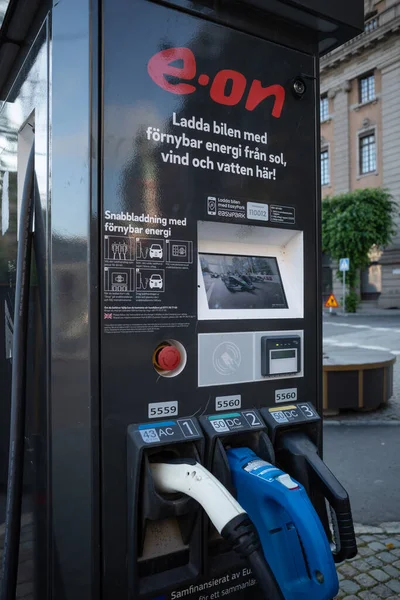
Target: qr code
280	417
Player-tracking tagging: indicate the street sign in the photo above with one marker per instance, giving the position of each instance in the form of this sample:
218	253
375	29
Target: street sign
331	302
344	265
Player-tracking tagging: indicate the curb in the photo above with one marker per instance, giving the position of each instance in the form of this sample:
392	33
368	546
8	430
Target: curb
359	423
389	528
383	312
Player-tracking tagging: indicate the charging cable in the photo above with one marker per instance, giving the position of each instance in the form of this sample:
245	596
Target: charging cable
228	517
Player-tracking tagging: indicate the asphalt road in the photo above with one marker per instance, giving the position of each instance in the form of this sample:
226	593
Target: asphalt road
366	460
374	333
370	332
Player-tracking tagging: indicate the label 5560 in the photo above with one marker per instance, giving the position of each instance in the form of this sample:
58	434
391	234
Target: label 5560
226	402
284	395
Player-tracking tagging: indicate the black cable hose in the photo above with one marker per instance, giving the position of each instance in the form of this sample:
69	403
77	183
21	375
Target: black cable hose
9	570
242	535
264	575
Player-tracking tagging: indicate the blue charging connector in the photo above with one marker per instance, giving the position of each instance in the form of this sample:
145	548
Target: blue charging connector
292	536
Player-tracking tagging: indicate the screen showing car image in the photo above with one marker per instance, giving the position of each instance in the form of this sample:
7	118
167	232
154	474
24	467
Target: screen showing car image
250	282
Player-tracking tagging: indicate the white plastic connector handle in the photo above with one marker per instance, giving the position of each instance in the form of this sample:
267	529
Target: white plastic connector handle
198	483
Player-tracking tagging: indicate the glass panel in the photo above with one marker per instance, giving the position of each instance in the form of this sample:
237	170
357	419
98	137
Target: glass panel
256	279
3	9
325	168
367	89
367	154
25	112
324	109
283	354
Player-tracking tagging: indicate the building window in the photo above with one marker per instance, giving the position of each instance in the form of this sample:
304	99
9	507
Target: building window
367	153
371	25
324	108
325	180
367	88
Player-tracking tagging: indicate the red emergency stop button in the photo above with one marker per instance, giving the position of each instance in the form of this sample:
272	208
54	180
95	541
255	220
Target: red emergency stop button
168	358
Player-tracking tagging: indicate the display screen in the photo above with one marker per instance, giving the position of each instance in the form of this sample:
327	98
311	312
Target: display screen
283	353
232	281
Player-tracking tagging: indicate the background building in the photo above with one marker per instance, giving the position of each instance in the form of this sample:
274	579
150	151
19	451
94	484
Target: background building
360	132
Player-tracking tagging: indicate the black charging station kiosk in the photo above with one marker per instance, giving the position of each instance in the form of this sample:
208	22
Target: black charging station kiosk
176	151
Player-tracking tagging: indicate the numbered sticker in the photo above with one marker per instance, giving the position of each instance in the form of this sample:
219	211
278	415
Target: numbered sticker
280	417
162	409
188	428
285	395
257	211
252	418
150	435
219	425
307	411
224	402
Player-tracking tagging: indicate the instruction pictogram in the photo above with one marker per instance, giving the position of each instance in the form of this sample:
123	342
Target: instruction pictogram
180	251
117	248
150	249
118	280
150	280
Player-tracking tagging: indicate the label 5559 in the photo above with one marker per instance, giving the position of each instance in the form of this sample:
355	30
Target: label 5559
162	409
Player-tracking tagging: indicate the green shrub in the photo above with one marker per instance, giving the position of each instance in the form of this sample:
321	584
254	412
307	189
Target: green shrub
352	224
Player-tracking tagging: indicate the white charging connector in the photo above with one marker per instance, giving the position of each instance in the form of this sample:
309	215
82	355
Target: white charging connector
228	517
198	483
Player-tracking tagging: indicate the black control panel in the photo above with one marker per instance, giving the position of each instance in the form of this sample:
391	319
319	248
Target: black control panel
280	355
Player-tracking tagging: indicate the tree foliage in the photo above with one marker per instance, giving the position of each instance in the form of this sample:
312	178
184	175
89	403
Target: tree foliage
353	223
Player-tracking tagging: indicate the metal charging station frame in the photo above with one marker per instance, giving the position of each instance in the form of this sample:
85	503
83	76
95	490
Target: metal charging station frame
93	96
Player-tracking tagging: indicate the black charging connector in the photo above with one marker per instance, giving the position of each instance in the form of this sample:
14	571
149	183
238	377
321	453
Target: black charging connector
296	436
300	455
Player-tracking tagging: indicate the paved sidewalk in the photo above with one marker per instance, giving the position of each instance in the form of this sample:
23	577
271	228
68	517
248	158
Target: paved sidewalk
375	572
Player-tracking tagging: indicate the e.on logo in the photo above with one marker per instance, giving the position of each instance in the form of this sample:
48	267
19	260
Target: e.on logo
228	87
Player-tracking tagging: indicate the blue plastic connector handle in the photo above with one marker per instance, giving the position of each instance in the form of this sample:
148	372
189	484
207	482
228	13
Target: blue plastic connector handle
292	536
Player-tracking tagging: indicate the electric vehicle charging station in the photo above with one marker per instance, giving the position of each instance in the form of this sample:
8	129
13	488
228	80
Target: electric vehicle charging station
176	165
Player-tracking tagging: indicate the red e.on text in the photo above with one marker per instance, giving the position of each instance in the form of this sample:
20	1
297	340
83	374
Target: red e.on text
160	66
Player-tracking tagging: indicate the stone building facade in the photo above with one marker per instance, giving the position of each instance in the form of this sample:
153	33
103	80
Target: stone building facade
360	133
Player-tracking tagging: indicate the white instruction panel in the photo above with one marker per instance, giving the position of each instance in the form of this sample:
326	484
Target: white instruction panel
235	357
